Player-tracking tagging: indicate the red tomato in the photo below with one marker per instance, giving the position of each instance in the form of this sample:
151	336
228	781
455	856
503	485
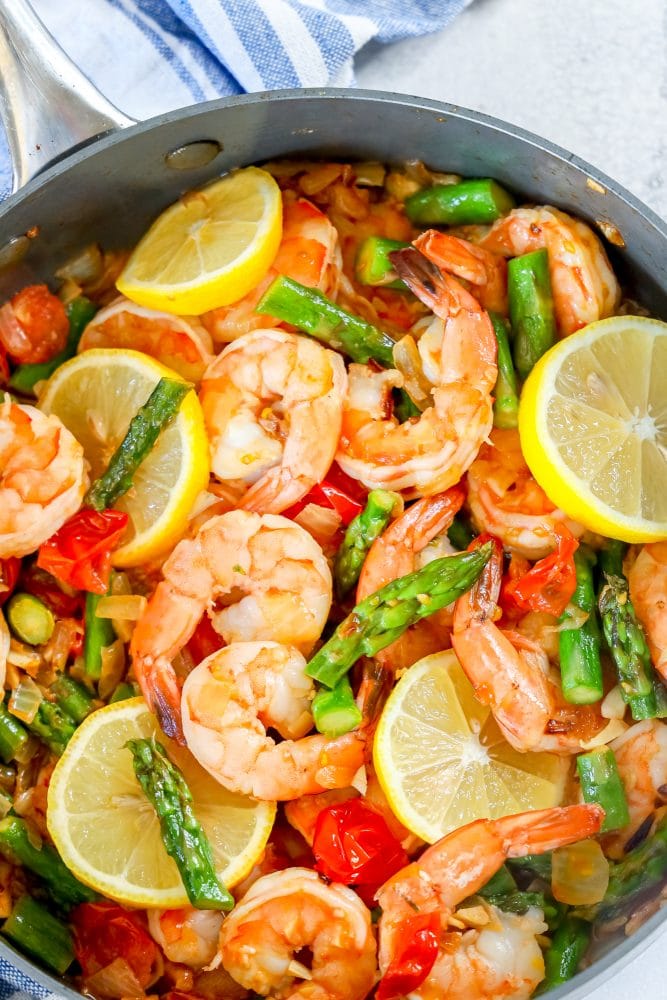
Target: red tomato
550	584
4	366
105	931
33	325
204	641
344	495
9	574
417	951
353	845
79	553
41	584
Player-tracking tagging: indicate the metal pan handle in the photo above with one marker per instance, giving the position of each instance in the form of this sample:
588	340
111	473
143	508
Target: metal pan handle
47	105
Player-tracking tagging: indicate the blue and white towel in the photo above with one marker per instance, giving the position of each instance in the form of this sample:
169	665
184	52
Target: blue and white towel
150	56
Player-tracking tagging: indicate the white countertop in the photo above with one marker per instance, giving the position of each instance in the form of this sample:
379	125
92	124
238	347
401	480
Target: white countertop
590	75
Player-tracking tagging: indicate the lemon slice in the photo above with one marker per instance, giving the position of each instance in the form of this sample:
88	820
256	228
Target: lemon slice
442	760
106	830
593	426
210	248
96	394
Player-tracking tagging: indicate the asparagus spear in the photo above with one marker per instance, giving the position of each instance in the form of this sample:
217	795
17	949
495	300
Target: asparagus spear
44	861
460	533
579	648
182	834
531	308
36	931
568	946
506	401
373	267
625	638
359	536
469	202
53	726
79	311
601	782
335	711
72	698
98	633
13	736
383	616
145	427
29	619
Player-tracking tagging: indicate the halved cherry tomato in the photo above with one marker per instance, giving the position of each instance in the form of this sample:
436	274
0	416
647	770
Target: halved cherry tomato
9	574
41	584
417	951
105	931
79	553
204	641
338	491
550	584
33	325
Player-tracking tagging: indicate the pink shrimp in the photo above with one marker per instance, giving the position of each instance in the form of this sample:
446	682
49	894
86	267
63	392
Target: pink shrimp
648	590
485	270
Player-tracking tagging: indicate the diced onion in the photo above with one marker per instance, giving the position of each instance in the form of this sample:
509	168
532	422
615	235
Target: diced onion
85	267
576	617
320	176
369	174
360	780
24	657
59	645
579	873
113	668
613	729
321	522
408	363
115	980
126	607
25	700
613	706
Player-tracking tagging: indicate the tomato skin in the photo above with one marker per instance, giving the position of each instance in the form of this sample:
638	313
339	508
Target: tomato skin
9	574
105	931
41	584
352	844
551	582
338	491
204	640
79	554
33	325
415	956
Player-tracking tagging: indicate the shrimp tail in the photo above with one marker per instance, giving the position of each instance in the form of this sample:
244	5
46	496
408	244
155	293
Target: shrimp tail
423	278
161	690
545	829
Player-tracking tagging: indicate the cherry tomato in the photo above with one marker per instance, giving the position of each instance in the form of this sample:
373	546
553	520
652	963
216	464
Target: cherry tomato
79	554
550	584
353	845
105	931
417	951
33	325
9	574
4	366
41	584
338	491
204	641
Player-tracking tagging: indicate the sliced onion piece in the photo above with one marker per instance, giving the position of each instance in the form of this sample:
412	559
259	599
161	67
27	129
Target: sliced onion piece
321	522
579	873
115	980
127	607
408	363
25	700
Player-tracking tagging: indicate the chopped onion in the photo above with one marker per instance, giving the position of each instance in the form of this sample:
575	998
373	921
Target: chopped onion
613	706
613	729
408	363
113	668
6	805
319	176
25	700
369	174
579	873
126	607
360	780
24	657
321	522
5	641
576	617
57	650
115	980
85	267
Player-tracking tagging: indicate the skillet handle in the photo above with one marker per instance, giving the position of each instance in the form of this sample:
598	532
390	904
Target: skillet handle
47	105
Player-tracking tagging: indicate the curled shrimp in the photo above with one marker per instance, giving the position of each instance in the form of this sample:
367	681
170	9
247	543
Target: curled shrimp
648	586
286	913
458	866
33	325
485	270
510	672
428	454
584	286
186	935
43	477
641	757
234	696
308	253
506	501
180	342
272	404
257	577
395	553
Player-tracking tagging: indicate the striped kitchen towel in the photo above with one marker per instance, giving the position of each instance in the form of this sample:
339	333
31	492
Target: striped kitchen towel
149	56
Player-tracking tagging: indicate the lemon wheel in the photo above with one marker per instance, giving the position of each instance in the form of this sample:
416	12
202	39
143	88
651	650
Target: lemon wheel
107	832
442	760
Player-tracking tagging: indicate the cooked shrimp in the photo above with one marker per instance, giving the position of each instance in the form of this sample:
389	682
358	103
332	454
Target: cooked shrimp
458	866
308	253
187	935
272	403
427	454
180	342
641	756
234	696
506	501
485	270
511	674
584	286
257	577
43	477
33	325
293	910
648	593
394	554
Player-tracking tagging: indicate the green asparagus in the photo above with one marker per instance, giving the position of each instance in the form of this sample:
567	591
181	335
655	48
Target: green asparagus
44	861
34	930
53	726
601	783
531	309
335	711
73	698
563	957
461	532
182	834
383	616
145	427
98	633
13	736
373	267
506	396
29	619
24	378
579	648
359	536
469	202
